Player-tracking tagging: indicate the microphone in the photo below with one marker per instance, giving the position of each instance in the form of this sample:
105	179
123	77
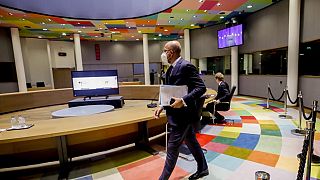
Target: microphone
152	104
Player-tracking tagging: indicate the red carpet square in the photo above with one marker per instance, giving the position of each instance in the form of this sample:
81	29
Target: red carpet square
247	117
264	158
151	170
204	139
216	147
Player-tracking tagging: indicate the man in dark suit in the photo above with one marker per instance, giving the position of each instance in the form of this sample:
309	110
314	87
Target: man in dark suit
183	112
222	96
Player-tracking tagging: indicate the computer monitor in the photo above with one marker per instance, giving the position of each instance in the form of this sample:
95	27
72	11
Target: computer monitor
95	83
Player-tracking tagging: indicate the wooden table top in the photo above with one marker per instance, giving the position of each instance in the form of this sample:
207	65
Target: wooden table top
45	127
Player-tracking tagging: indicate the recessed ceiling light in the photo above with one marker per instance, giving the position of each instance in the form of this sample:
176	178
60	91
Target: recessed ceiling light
45	29
169	21
249	6
137	39
43	23
100	28
155	38
114	28
62	24
142	24
79	31
83	27
64	34
139	31
188	10
129	27
23	19
166	30
219	4
181	19
192	25
71	38
200	0
113	32
10	13
194	16
78	23
96	36
148	21
106	23
160	35
205	10
49	20
260	54
116	40
39	36
221	17
127	22
181	36
132	36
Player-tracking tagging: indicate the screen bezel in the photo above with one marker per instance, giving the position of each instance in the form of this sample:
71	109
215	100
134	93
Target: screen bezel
242	36
88	94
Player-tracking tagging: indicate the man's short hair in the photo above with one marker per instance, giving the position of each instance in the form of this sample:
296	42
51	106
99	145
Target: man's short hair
219	76
175	46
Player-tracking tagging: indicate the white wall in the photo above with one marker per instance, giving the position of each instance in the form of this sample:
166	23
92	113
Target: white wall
36	60
62	61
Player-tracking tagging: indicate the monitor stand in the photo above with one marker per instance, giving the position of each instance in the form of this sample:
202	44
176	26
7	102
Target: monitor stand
116	101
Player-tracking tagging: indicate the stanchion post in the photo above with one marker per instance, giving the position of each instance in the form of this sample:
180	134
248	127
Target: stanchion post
311	129
300	109
285	101
268	95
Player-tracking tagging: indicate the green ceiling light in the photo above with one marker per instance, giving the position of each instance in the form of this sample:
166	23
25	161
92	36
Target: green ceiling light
221	17
249	6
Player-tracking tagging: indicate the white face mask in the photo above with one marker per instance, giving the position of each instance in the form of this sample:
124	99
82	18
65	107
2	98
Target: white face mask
164	58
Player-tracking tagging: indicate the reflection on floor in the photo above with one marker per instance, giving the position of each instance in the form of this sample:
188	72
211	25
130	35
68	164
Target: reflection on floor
258	140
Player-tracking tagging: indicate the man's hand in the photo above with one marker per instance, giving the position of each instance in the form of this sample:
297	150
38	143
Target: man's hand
178	103
157	113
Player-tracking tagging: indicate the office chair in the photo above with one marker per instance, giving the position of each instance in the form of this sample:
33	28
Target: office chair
227	107
40	84
29	85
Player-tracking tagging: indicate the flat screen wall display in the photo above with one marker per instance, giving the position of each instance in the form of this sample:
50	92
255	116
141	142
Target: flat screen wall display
231	36
95	83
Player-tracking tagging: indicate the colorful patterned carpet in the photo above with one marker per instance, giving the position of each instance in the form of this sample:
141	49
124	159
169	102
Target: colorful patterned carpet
258	140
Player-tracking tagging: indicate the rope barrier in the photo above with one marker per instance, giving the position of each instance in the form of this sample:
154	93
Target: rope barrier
303	113
269	89
292	102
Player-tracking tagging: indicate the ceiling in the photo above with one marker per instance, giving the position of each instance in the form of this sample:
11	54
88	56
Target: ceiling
166	25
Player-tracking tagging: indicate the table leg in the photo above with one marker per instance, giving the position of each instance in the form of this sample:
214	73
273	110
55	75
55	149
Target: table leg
63	157
142	141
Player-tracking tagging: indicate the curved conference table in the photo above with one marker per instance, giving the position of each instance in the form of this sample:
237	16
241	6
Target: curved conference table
64	138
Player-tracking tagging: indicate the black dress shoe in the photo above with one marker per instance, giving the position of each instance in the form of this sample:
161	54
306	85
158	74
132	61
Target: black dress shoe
198	175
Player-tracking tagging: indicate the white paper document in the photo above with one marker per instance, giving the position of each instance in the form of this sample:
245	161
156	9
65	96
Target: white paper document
169	91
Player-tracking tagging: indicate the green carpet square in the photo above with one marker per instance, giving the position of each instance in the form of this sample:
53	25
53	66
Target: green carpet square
223	140
270	132
269	127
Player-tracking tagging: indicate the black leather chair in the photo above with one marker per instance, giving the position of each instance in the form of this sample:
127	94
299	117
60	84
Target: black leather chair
227	104
40	84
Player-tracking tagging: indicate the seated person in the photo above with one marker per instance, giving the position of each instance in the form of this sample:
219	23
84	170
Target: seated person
222	96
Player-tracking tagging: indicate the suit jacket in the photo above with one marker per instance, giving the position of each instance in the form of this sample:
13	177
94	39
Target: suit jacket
184	73
223	95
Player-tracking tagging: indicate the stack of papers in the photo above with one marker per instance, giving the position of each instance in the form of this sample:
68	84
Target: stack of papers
169	91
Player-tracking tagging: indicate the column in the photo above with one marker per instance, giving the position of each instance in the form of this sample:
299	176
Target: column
77	49
18	59
50	64
146	60
234	68
203	64
187	44
293	48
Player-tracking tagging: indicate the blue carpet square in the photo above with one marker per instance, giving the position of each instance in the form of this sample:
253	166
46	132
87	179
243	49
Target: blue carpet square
248	141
